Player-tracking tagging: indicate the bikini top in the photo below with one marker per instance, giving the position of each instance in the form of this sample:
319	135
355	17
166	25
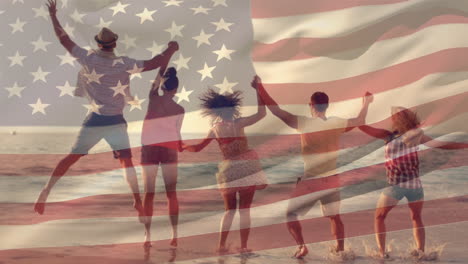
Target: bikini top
233	145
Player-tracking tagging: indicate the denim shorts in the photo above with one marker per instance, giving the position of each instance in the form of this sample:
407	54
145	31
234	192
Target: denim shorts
398	193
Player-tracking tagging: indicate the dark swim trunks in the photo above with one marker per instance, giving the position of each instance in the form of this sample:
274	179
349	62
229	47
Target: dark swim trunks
111	128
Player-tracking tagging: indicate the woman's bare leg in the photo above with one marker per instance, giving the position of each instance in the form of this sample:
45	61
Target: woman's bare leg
337	230
60	170
418	227
384	205
132	181
230	204
245	202
149	173
169	172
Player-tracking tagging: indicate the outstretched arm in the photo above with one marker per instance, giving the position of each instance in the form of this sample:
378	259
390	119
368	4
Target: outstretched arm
361	118
288	118
261	109
59	31
157	82
375	132
198	147
430	142
161	59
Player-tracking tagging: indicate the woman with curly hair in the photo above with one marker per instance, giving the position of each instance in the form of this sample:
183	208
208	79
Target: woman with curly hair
402	170
240	172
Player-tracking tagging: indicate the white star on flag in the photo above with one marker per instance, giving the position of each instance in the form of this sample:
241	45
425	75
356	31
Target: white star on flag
219	2
172	3
67	59
183	95
206	72
129	42
40	12
146	15
200	10
222	25
203	38
66	89
40	44
225	86
89	50
64	3
135	72
103	24
155	49
92	107
17	59
17	26
77	17
93	77
119	8
182	62
39	107
15	90
175	30
223	53
40	75
136	103
69	29
119	89
119	60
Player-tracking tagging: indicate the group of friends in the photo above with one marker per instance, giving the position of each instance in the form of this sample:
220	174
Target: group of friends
105	78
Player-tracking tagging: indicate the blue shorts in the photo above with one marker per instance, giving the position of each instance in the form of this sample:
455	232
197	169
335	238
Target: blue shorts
111	128
398	193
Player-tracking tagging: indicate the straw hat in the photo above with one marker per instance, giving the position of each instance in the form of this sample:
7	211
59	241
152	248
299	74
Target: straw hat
106	37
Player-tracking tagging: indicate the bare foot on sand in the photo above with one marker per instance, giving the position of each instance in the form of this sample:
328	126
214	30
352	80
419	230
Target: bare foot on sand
173	242
384	255
39	206
418	254
245	250
221	250
147	243
301	252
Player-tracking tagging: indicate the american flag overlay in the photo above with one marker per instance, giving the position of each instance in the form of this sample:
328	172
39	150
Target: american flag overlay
411	54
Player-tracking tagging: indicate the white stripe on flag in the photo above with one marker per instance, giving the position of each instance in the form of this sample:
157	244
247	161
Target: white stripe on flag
340	22
356	62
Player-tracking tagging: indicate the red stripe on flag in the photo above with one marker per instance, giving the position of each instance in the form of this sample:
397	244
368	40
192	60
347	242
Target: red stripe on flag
436	212
192	201
280	8
266	146
398	26
451	60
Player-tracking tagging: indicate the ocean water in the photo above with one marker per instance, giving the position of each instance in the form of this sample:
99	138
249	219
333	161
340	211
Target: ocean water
32	157
29	159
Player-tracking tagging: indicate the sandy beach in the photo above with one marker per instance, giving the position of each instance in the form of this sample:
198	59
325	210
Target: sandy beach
446	244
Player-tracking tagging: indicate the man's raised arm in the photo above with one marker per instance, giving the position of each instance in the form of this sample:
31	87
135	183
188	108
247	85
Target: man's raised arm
59	31
288	118
361	118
